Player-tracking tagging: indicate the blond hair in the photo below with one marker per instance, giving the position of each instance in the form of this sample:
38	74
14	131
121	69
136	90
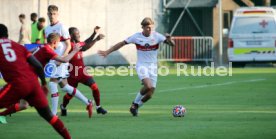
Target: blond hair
53	37
147	21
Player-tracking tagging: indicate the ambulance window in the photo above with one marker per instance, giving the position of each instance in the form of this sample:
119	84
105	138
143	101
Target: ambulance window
254	25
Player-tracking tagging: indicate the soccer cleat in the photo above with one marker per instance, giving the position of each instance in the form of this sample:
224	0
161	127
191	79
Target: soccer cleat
101	110
63	110
89	109
134	109
3	120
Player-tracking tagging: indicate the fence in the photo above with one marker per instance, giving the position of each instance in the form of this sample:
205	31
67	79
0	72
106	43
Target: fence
187	49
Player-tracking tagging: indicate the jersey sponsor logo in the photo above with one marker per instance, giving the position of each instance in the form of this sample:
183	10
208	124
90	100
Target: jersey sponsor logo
147	47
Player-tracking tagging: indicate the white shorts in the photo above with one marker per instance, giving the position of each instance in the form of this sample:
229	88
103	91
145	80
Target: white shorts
147	70
59	71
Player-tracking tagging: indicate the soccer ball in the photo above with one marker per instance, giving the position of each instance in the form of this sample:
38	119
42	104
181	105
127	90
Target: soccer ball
179	111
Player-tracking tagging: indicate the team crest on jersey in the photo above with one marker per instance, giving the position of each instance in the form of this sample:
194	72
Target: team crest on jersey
147	45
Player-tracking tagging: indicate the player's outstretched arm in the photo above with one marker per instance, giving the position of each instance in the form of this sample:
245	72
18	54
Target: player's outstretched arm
112	49
169	40
38	68
68	57
89	43
68	47
96	30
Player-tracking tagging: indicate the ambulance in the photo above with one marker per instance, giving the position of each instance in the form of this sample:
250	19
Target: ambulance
252	37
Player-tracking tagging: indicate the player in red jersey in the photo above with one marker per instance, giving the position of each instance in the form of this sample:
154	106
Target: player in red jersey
79	75
44	54
16	68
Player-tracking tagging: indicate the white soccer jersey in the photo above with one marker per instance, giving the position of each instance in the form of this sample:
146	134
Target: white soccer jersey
147	47
63	33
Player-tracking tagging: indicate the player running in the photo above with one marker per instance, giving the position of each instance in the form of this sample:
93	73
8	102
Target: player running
17	69
147	44
61	72
79	75
44	54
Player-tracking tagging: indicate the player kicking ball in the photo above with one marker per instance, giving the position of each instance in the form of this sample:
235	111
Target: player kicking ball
147	44
79	75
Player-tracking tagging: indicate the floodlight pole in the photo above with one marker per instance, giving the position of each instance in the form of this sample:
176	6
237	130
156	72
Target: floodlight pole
220	34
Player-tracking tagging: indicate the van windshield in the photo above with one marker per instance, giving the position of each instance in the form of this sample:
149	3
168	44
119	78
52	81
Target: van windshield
255	25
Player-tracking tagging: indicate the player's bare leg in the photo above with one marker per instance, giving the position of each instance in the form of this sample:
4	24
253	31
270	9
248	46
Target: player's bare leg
143	96
75	92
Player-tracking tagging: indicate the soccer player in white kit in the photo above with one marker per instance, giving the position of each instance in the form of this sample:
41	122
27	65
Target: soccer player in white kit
147	44
60	72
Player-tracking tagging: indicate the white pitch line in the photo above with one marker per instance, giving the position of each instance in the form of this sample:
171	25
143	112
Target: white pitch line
205	86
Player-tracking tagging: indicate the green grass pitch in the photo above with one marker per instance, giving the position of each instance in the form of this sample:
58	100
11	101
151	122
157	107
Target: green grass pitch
239	107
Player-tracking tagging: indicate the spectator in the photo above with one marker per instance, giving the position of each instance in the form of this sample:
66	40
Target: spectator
33	26
38	36
24	34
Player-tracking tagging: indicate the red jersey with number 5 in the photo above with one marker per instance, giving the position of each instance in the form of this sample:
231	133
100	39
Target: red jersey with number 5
13	62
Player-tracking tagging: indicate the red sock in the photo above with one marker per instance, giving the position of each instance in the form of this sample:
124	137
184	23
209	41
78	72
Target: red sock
59	127
96	93
66	98
12	109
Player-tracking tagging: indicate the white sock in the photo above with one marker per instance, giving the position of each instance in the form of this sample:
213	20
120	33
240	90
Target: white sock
138	98
54	96
140	103
69	89
81	97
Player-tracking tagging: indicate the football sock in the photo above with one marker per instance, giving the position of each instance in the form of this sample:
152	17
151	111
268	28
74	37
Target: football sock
96	93
54	121
54	96
59	127
12	109
66	99
138	98
140	103
71	90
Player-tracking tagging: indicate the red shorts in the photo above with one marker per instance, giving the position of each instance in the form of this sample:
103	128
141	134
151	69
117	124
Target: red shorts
75	80
30	91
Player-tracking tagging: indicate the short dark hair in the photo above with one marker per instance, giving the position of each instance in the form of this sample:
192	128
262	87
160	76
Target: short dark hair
22	16
52	8
3	31
147	21
41	19
71	30
33	15
52	37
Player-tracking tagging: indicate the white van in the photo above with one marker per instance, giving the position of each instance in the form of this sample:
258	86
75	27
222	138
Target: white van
252	37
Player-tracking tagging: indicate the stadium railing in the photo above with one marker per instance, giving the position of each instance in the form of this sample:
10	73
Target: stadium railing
187	49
